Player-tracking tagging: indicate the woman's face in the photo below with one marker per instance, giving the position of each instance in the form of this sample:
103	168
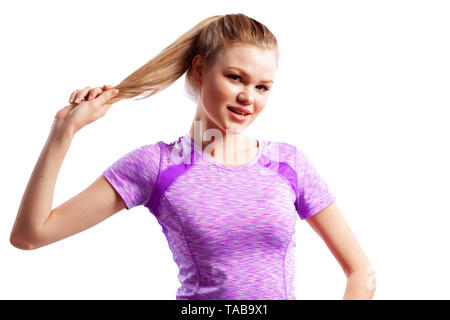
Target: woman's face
242	76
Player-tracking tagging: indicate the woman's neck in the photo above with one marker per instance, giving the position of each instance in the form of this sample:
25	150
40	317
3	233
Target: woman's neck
230	149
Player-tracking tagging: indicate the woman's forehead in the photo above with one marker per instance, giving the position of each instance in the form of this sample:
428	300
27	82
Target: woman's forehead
248	59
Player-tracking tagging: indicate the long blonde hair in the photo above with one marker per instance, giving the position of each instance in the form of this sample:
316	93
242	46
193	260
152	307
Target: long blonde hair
206	39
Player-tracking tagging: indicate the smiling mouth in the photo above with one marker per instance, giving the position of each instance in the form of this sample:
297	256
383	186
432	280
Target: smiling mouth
238	112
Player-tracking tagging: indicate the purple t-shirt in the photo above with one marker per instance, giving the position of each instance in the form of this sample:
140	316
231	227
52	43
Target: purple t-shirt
230	228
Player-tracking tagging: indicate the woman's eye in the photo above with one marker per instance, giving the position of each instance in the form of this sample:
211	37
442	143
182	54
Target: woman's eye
265	88
233	75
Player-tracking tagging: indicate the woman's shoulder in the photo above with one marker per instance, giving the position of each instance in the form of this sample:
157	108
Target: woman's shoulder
280	149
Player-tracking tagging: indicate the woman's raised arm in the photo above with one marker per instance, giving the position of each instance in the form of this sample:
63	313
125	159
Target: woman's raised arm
37	224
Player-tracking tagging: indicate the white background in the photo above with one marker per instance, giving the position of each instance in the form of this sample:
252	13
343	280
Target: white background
362	88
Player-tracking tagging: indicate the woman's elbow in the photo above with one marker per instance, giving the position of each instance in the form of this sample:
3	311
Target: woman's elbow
21	242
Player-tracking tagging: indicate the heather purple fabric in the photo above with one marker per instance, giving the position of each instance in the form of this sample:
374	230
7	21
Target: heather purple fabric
231	229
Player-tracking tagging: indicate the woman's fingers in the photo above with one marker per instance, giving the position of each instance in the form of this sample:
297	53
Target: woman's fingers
73	95
93	93
83	94
78	95
106	96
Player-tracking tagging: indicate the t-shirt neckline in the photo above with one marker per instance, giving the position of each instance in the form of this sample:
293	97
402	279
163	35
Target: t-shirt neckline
208	158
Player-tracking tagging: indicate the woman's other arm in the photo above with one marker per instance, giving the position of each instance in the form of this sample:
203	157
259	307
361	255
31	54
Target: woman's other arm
331	226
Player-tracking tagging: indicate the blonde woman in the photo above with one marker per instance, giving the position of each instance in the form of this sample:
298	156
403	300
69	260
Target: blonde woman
228	208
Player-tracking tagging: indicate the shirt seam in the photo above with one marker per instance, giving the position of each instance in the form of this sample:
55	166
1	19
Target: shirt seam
284	266
156	180
187	242
177	178
290	239
283	178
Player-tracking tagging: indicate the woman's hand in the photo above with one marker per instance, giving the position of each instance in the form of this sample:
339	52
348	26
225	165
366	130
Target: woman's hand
83	111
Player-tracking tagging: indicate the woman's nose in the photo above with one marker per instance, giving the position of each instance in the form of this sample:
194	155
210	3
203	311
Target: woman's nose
245	97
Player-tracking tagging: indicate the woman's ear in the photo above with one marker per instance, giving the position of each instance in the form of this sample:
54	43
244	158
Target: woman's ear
197	68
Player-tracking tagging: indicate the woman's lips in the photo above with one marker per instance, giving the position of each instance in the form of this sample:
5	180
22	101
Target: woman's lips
238	117
240	109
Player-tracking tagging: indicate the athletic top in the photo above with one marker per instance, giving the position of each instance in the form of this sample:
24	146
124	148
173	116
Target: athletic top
230	228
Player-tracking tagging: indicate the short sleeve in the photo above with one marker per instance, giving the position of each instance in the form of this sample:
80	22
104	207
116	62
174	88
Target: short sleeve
313	193
133	176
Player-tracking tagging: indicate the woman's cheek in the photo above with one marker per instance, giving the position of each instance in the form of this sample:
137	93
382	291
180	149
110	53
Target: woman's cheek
259	104
227	87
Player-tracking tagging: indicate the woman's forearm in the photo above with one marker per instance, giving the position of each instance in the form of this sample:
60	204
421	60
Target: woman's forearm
37	199
360	286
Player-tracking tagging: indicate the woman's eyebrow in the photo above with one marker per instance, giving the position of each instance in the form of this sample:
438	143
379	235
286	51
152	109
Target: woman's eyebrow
266	81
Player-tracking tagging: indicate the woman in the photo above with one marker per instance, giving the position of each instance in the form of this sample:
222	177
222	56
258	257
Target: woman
228	208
